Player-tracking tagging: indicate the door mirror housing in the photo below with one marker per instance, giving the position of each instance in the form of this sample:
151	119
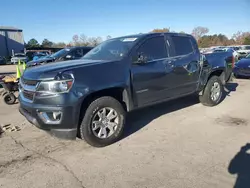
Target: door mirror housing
68	57
142	59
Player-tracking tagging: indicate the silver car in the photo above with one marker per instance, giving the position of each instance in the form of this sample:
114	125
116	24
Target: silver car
17	57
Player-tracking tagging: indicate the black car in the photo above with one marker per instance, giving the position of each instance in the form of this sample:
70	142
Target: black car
91	96
70	53
242	68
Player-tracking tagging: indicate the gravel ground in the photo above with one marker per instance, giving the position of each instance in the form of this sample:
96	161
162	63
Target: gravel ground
7	69
177	144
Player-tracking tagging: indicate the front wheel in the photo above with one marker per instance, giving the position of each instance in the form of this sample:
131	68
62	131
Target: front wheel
9	98
213	92
103	122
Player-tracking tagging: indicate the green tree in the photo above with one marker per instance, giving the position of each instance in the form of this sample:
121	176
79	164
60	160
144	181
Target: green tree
247	41
33	43
47	43
214	40
59	45
163	30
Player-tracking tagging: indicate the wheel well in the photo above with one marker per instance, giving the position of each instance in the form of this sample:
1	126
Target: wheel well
117	93
218	73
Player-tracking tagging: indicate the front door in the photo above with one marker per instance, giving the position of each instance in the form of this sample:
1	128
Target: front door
152	79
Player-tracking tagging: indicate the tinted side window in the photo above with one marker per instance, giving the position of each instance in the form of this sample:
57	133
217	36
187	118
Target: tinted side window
77	53
85	51
153	48
182	45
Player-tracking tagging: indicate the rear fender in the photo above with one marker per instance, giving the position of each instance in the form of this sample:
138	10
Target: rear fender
216	71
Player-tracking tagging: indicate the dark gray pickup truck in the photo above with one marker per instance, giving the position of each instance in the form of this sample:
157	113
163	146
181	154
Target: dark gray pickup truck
91	96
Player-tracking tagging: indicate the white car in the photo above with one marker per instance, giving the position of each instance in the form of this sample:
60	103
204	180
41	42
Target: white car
17	57
244	50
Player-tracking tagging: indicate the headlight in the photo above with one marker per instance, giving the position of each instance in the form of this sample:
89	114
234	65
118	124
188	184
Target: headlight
55	86
61	85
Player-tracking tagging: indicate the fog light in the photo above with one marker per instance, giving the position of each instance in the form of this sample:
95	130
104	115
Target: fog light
57	115
50	117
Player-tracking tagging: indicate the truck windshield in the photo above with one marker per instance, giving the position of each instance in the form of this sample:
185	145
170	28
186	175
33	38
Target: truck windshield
113	49
60	53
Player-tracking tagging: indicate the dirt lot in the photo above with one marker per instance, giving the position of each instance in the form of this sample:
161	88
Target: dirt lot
178	144
7	69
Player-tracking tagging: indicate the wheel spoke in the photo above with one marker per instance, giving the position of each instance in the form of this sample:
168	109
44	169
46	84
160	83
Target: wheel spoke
102	133
111	115
103	112
97	124
99	114
112	126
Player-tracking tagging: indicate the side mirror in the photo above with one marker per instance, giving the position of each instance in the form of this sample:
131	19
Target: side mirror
68	57
142	59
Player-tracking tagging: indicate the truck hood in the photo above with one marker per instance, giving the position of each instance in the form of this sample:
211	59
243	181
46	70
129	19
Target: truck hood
49	71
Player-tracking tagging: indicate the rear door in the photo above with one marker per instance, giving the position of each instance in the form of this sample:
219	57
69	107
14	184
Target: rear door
152	79
186	59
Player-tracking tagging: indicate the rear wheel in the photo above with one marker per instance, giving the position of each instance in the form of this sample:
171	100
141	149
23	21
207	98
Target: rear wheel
103	122
213	92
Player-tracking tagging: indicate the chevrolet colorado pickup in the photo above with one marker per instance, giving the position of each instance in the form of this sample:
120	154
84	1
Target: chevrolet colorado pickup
91	96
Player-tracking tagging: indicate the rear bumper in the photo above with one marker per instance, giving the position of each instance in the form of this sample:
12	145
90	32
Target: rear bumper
66	128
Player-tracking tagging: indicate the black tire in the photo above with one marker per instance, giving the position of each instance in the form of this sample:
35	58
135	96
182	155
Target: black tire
9	98
230	78
206	98
236	76
85	129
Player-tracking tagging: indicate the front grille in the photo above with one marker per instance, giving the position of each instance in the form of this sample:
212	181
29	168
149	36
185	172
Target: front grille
28	95
29	82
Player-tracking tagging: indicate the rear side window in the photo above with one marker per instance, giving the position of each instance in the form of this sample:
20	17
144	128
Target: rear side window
85	51
182	45
77	53
153	48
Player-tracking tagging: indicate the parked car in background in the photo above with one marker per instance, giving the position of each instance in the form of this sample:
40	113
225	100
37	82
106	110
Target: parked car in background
242	68
70	53
32	53
236	48
17	57
228	49
244	51
91	96
39	55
